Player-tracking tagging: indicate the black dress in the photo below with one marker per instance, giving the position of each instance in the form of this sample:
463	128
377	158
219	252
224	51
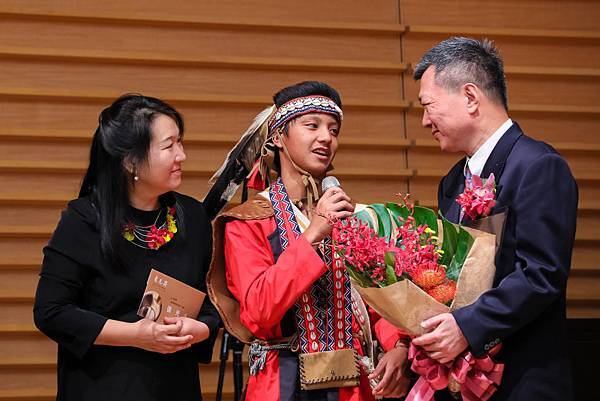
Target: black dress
78	291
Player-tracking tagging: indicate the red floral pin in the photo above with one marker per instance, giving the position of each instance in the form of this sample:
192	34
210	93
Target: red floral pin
478	198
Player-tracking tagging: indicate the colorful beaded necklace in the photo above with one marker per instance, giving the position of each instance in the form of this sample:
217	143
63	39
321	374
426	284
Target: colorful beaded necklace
152	237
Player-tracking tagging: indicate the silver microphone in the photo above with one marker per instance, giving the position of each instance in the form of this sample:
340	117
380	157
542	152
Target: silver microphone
329	182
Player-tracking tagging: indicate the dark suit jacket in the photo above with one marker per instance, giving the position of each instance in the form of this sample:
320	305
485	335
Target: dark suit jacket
525	310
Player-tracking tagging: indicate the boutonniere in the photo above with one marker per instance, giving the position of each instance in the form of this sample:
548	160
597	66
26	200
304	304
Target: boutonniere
478	198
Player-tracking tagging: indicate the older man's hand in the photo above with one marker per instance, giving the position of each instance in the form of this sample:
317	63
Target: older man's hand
444	340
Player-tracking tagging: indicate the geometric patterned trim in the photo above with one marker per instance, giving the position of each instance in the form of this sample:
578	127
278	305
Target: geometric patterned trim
304	105
324	312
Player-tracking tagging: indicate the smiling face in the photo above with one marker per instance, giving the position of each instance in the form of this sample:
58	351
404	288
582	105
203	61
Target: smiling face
312	142
445	113
162	171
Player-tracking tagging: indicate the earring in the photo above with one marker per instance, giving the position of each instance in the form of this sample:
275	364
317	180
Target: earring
136	178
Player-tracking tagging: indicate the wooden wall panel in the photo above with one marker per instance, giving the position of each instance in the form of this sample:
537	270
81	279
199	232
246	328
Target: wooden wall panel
180	43
48	118
317	12
517	50
531	14
527	89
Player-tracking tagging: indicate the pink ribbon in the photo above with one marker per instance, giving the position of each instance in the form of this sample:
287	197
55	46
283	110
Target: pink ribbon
478	377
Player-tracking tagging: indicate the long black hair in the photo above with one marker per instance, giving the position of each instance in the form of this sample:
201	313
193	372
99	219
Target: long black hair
123	135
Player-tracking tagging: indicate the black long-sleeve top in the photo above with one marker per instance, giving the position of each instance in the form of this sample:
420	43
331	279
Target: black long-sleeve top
79	291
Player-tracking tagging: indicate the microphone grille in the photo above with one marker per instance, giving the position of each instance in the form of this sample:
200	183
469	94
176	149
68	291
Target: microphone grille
329	182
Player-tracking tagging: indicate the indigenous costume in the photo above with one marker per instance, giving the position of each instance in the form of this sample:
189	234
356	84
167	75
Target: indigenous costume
290	299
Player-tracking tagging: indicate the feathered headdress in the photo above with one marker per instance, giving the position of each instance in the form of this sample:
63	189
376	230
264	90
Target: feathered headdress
240	162
254	155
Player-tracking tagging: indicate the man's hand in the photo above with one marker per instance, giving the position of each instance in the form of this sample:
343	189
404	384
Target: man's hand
391	371
444	340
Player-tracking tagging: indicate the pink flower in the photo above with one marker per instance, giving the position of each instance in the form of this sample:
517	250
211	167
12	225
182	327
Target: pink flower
478	200
361	248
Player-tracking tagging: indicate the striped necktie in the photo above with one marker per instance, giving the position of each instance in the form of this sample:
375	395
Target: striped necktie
468	184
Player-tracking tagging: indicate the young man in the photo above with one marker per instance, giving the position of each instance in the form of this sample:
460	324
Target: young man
463	94
287	293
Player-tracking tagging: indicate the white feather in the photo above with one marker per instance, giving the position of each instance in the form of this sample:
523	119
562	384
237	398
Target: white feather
253	147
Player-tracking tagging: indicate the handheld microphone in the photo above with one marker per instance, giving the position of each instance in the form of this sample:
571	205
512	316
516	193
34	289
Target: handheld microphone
329	182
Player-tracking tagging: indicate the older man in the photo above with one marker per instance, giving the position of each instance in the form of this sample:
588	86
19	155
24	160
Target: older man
463	93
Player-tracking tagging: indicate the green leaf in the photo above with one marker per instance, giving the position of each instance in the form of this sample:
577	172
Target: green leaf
384	220
463	246
361	278
399	213
365	217
391	275
390	258
390	261
426	216
450	238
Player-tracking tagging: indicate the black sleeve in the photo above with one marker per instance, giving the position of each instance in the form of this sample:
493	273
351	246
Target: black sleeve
208	313
59	310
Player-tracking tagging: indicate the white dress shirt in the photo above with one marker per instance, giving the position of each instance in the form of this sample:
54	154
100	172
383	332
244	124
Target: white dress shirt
479	158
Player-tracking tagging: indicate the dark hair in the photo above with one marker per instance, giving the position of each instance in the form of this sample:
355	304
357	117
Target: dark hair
123	134
459	60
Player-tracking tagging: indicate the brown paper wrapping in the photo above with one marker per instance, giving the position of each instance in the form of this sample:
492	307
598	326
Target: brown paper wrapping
405	305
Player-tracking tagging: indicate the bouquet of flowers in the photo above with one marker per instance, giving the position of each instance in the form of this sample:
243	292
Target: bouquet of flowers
408	265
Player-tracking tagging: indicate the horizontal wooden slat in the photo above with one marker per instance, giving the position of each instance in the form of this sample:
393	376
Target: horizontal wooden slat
552	71
181	98
80	118
540	108
543	92
266	15
41	166
512	32
41	136
55	75
526	51
233	62
218	41
530	71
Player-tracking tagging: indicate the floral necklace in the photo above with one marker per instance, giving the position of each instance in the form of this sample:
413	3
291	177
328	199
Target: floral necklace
152	237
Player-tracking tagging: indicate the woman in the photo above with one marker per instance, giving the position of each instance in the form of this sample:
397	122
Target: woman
127	221
274	263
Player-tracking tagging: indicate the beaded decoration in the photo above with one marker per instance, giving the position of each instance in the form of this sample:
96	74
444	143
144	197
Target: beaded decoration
152	237
304	105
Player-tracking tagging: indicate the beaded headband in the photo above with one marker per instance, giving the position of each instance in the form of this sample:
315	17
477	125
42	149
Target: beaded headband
304	105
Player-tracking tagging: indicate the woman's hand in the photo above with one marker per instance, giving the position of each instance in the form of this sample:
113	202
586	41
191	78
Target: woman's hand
333	205
162	338
198	330
390	370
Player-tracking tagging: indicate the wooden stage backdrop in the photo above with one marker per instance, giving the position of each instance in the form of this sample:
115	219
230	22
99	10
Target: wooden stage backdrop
219	62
